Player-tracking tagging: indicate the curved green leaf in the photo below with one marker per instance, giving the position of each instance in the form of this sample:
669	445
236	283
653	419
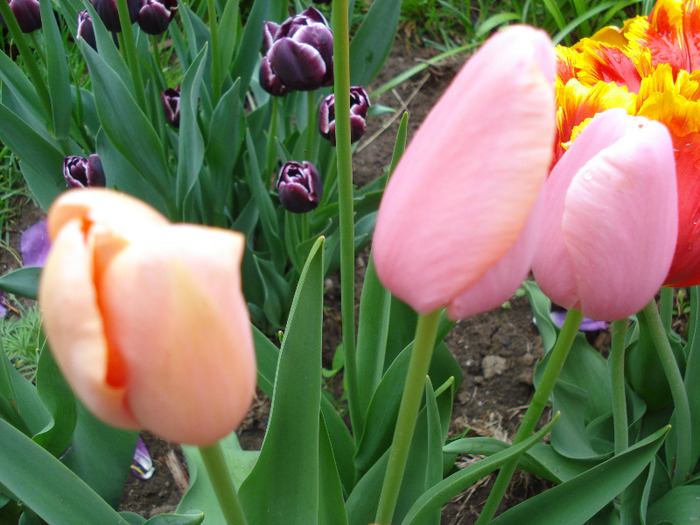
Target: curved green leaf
372	43
23	282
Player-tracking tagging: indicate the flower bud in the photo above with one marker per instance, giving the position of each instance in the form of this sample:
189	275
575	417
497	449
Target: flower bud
171	105
297	54
299	186
146	319
107	10
80	172
359	105
86	31
155	16
27	13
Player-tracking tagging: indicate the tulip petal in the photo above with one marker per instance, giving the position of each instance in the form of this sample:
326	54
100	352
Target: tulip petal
79	344
187	341
298	66
461	194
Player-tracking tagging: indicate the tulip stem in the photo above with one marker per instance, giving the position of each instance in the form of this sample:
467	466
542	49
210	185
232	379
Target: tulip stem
341	70
126	39
557	358
220	477
650	315
311	124
421	355
215	62
617	383
666	307
271	140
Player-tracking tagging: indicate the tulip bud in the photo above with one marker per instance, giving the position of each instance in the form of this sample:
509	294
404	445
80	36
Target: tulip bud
171	105
86	31
297	54
107	10
611	221
299	186
27	13
80	172
359	105
146	319
155	16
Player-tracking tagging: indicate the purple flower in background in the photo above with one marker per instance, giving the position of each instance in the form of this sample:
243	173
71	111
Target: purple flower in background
86	30
359	105
299	186
80	172
107	10
587	325
27	14
171	105
297	54
34	244
142	464
155	15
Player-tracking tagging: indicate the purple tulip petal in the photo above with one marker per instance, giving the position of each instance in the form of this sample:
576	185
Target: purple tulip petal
142	464
299	66
34	244
587	325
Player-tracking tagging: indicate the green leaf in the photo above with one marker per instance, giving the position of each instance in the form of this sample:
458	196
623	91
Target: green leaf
46	486
228	33
57	72
373	40
582	497
244	62
15	81
23	282
21	404
541	306
331	509
192	518
267	355
283	487
224	136
678	506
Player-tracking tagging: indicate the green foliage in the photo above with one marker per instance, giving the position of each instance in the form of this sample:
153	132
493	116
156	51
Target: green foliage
22	339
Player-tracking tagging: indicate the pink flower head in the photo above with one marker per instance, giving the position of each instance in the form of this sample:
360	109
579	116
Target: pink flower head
457	226
610	232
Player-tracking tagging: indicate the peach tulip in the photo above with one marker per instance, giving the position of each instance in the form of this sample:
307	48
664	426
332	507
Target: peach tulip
457	226
610	232
146	319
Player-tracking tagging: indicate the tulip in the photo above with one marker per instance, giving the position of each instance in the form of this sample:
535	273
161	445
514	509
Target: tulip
80	172
299	186
155	16
146	319
457	226
86	30
610	231
171	105
107	10
27	13
297	54
34	244
359	105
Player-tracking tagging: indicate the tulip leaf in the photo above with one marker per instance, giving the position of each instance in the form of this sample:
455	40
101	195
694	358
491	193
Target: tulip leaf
331	509
244	62
580	498
228	33
23	282
46	486
192	518
57	72
373	40
15	81
678	506
283	488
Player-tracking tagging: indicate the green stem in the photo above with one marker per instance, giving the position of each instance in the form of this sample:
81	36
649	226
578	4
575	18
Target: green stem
216	79
556	361
128	44
341	67
651	316
312	124
271	139
617	382
421	355
666	307
224	489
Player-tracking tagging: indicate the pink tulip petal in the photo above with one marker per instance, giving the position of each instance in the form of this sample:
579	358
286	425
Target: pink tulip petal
463	190
74	327
200	353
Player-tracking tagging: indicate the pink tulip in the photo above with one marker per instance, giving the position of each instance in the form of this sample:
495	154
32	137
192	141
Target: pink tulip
612	218
457	226
146	319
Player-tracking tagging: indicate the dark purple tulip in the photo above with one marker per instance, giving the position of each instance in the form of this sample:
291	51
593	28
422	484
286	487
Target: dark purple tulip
80	172
171	105
27	14
107	9
297	53
359	105
299	186
86	31
155	16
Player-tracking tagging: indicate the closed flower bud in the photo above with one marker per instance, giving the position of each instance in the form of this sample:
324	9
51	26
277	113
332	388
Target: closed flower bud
146	319
298	54
86	31
107	10
80	172
154	17
299	186
171	105
27	13
359	105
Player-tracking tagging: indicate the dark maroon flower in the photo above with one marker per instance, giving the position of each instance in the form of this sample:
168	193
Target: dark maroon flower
155	16
80	172
299	186
298	54
27	13
107	10
86	30
171	105
359	105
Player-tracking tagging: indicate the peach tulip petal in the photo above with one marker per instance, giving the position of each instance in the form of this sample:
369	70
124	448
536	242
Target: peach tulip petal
201	353
460	196
74	326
